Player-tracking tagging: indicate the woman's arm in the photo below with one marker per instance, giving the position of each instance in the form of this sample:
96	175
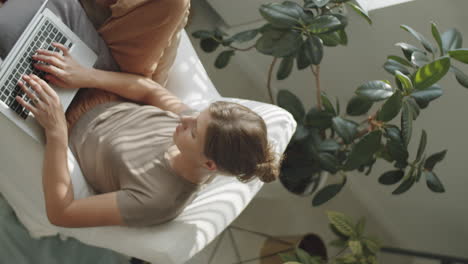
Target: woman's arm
136	88
65	72
61	207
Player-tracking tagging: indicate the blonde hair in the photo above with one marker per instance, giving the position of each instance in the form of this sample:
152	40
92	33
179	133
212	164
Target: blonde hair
236	140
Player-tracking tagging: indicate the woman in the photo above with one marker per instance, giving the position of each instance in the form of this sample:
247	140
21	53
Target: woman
145	162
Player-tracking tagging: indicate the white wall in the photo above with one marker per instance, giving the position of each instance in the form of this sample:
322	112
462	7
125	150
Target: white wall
419	219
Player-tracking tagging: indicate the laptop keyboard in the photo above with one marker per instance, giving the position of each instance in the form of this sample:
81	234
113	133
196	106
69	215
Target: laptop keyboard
23	65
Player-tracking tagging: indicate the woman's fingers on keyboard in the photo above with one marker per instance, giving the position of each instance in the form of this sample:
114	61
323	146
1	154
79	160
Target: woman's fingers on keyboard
50	69
61	47
50	53
54	80
37	87
50	60
44	86
29	95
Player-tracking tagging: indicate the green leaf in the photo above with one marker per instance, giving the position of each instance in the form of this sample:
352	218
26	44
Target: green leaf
285	68
433	182
375	90
300	133
391	177
314	49
400	60
281	16
342	223
406	124
279	43
318	118
431	73
460	76
245	36
422	146
331	39
397	150
426	44
302	255
292	104
329	145
419	59
408	49
392	132
363	150
328	162
435	158
346	129
355	246
424	97
404	186
324	24
302	60
343	36
301	179
360	226
223	58
419	170
337	106
372	245
358	105
413	107
405	81
338	243
328	106
202	34
392	65
326	193
361	12
209	45
219	34
286	257
436	35
391	108
452	39
460	55
321	3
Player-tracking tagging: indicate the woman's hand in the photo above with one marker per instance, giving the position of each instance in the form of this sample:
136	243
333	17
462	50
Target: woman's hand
46	107
63	70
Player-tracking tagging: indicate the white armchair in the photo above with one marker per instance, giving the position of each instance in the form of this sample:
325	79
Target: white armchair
177	241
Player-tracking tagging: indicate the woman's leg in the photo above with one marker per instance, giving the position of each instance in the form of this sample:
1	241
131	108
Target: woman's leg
139	32
143	38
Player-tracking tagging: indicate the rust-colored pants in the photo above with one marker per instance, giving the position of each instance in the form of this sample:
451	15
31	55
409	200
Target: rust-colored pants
143	36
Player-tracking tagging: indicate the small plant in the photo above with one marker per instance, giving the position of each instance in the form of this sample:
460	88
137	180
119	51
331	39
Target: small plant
328	139
354	246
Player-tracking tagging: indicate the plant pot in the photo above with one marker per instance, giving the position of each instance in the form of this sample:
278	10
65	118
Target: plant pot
311	243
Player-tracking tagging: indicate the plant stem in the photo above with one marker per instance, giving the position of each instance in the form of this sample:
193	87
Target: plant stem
317	84
339	253
270	93
242	49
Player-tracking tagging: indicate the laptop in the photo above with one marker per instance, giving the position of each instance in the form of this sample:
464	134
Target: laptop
44	29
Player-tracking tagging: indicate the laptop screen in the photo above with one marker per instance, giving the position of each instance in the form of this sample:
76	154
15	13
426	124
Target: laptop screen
15	16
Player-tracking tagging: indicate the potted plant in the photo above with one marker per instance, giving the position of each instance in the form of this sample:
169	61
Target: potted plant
326	139
353	245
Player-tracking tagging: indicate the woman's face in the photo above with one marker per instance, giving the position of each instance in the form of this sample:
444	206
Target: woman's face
189	136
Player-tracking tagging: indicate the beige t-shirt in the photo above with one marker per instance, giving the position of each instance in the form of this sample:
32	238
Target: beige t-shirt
121	146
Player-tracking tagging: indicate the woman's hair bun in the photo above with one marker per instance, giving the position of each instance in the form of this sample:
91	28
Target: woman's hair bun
269	170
